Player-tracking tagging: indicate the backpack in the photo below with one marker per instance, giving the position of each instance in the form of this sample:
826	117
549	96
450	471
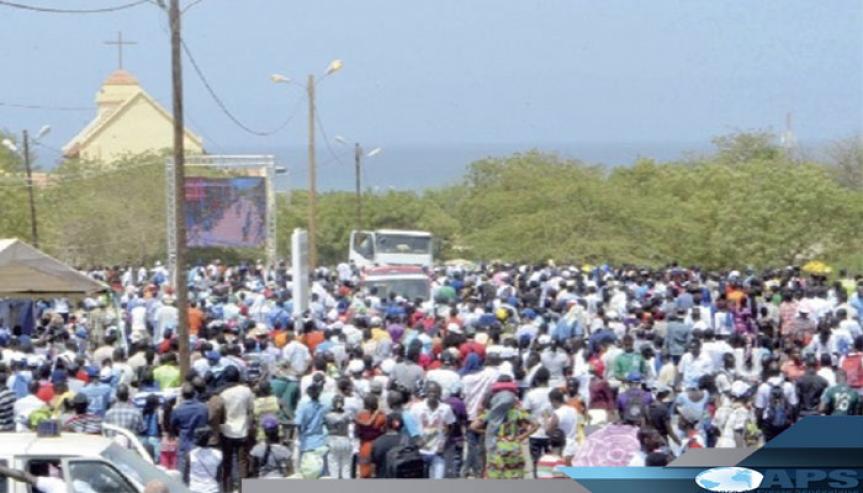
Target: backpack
38	416
853	366
776	414
634	412
405	462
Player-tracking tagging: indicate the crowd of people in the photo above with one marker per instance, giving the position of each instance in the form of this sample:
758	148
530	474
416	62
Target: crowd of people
509	371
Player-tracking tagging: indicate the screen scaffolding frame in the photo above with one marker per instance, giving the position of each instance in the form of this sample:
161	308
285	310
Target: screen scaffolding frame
264	162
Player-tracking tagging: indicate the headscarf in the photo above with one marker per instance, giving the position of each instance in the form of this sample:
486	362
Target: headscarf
499	407
472	364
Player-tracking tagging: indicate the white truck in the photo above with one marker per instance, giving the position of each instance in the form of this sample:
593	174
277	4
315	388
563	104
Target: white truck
87	463
391	247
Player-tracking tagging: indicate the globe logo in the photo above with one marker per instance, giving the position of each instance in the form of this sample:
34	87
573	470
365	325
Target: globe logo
729	479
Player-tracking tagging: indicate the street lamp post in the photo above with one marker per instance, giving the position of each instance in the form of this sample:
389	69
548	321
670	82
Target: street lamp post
332	68
28	169
358	167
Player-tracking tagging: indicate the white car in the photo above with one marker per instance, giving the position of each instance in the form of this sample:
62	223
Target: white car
88	463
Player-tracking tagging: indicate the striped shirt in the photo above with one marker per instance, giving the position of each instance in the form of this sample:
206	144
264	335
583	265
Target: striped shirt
7	410
84	423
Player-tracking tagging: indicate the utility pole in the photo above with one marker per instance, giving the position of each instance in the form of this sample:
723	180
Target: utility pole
313	185
358	157
179	189
34	230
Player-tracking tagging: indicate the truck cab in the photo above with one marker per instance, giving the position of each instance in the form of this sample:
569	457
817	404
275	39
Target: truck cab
391	247
87	463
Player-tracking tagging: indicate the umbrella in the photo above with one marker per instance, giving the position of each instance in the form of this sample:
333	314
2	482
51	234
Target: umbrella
460	262
611	445
817	267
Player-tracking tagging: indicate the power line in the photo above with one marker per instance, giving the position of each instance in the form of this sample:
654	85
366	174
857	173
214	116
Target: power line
43	107
190	5
52	10
332	152
224	107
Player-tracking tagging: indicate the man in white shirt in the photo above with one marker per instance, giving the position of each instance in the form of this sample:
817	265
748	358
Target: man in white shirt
435	419
45	484
716	349
167	317
694	365
24	407
537	404
239	404
297	354
445	376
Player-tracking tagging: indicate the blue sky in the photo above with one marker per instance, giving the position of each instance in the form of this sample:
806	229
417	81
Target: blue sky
449	72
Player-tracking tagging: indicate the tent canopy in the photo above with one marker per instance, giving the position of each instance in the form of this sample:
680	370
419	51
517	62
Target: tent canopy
26	272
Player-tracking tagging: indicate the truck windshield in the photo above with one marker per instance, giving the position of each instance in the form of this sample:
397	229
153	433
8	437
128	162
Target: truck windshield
415	245
409	289
137	469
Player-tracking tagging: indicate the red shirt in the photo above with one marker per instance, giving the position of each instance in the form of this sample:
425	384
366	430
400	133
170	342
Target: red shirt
472	347
46	391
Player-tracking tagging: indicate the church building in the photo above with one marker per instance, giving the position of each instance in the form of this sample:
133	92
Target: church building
128	121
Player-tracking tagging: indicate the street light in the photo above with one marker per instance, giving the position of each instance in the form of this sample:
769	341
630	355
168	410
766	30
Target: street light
358	158
8	144
332	68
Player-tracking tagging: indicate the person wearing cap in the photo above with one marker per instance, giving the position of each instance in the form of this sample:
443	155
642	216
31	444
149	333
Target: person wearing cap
733	418
270	459
803	327
633	393
98	390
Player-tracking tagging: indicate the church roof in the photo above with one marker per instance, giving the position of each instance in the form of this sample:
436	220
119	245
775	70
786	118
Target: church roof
121	77
104	120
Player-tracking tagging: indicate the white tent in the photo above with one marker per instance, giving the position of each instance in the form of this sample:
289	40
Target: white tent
25	272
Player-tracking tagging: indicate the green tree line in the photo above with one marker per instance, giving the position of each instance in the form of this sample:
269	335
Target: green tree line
747	203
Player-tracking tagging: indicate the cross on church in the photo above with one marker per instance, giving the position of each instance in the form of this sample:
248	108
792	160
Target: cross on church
120	43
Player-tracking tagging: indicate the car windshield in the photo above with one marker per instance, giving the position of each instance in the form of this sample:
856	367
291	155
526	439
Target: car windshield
136	468
410	289
416	245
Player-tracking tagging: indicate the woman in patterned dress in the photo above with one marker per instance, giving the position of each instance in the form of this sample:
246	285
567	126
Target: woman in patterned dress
506	426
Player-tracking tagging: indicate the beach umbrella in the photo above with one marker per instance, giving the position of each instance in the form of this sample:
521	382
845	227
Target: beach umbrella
611	445
817	267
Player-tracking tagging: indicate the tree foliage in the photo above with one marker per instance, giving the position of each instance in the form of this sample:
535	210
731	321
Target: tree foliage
746	204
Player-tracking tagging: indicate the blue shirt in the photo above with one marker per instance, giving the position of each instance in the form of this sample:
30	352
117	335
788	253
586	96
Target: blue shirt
186	418
280	317
98	397
310	422
411	426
